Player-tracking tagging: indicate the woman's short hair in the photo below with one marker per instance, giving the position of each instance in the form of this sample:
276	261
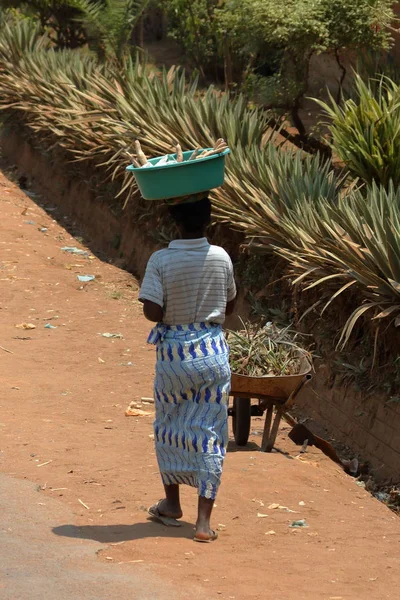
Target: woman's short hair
193	217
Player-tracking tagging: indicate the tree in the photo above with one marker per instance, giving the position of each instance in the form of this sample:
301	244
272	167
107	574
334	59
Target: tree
299	29
109	25
60	18
105	25
192	23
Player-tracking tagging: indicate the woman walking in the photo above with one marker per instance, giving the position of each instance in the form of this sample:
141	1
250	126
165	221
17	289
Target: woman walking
188	289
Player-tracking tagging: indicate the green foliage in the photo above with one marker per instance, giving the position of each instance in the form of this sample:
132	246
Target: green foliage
60	18
373	65
274	92
366	130
301	28
360	24
310	25
295	23
194	25
109	25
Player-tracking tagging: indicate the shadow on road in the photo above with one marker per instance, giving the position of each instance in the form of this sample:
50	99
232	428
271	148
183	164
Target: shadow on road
250	447
117	533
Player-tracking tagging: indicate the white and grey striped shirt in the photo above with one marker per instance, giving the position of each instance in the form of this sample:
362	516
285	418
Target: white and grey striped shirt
191	280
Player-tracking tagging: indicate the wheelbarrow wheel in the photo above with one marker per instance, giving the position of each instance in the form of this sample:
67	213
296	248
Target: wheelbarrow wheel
241	420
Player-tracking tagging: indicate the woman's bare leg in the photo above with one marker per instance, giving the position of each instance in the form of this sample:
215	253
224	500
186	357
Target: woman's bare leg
203	528
171	506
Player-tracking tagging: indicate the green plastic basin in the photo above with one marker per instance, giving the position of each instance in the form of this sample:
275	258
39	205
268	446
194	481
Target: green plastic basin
180	179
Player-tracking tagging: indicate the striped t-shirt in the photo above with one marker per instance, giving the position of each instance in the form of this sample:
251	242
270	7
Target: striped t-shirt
191	280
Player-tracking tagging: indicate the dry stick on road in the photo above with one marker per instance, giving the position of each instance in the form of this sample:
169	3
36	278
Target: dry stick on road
5	350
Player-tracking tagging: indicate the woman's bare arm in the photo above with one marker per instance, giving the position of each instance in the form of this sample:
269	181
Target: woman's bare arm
230	307
152	311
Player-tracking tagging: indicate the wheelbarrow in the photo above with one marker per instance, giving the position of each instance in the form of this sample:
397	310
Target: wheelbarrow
273	394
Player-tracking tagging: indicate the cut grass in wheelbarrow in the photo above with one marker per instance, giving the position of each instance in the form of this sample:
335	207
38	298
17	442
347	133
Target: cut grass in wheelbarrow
270	365
267	351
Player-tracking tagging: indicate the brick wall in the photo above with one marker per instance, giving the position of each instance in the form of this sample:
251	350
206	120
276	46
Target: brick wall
368	425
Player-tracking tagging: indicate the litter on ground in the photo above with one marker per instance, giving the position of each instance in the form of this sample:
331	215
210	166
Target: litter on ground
133	411
25	326
74	250
113	335
298	524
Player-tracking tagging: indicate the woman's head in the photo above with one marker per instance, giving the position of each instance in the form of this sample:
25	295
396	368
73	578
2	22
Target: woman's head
193	218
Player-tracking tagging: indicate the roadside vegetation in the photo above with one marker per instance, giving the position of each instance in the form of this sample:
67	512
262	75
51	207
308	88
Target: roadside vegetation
326	210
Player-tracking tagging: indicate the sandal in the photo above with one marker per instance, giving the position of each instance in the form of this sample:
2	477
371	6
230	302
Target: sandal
212	538
155	514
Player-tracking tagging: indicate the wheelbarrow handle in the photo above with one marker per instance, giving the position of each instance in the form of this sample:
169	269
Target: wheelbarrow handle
270	432
290	401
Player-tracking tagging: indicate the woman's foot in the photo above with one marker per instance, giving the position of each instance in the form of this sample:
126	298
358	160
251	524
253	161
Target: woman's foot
169	509
162	514
204	533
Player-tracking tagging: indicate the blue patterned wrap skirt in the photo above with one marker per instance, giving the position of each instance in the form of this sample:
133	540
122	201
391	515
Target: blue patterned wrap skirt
191	388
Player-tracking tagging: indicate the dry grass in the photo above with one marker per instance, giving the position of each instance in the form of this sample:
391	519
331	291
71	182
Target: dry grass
266	351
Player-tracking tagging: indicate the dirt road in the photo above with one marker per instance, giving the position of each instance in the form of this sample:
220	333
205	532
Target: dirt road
64	390
36	566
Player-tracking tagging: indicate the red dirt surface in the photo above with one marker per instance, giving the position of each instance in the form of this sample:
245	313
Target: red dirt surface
64	392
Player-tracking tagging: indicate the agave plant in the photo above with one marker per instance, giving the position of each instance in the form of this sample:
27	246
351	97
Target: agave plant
60	18
266	183
357	245
366	130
